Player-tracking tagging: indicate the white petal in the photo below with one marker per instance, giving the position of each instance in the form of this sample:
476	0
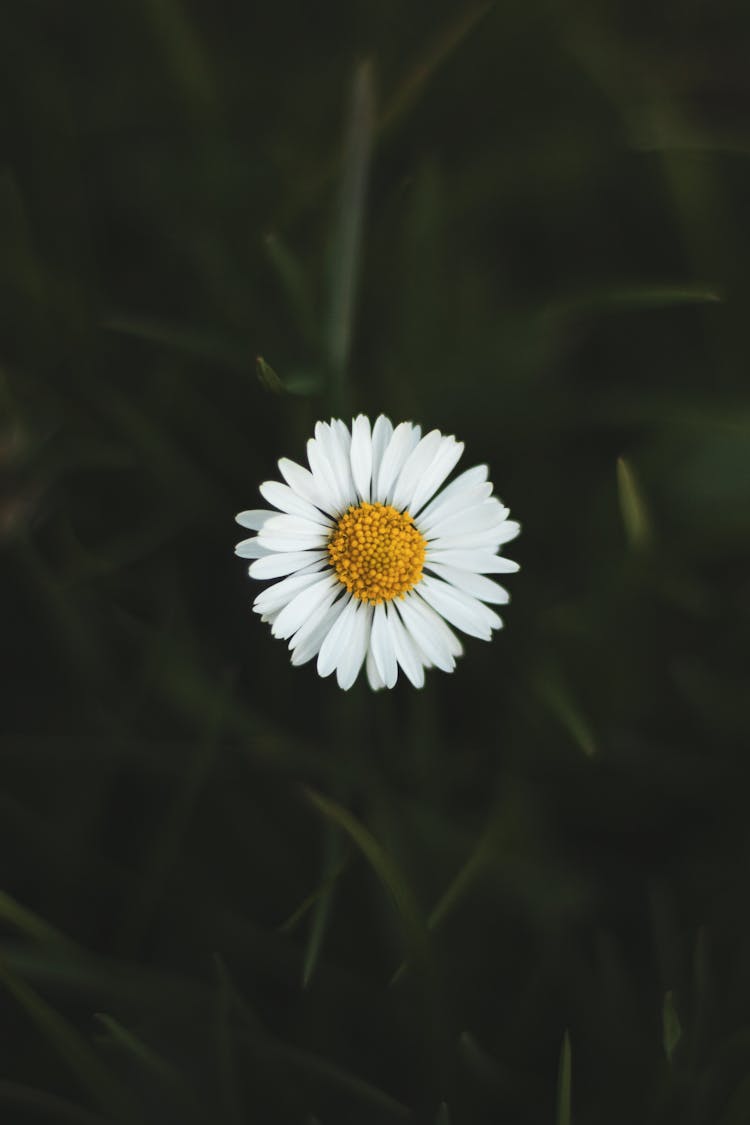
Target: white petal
428	638
467	479
452	643
304	484
342	457
324	475
337	639
286	562
283	524
254	520
382	433
250	549
509	531
381	644
446	459
373	676
287	500
361	455
465	498
462	610
292	533
481	562
282	543
294	614
480	540
482	517
414	469
476	584
330	445
354	653
404	438
406	651
306	642
342	431
274	598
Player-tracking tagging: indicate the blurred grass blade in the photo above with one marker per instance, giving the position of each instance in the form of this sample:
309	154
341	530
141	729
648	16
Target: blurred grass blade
564	1083
634	514
557	699
415	931
20	269
294	284
226	1057
443	1115
331	863
648	295
348	237
166	849
440	49
704	994
84	1063
476	862
671	1026
482	1065
47	1106
660	296
30	924
738	1110
289	924
334	1076
315	939
140	1051
197	343
184	55
293	1061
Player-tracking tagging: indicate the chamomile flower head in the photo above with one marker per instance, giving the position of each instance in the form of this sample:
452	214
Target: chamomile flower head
370	563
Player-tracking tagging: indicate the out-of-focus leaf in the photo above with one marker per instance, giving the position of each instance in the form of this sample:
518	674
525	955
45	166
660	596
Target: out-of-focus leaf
268	377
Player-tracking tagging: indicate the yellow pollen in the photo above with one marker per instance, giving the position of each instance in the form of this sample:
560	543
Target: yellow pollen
377	552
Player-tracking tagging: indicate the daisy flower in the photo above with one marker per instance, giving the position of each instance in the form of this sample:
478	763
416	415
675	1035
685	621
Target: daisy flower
372	566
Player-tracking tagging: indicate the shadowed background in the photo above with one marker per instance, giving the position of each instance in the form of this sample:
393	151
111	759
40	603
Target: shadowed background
228	891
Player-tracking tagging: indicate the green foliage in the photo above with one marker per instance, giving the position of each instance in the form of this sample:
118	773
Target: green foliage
230	893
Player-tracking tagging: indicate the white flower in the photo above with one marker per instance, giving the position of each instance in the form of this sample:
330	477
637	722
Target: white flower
372	568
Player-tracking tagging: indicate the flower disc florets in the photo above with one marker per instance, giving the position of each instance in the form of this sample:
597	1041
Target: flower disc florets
377	552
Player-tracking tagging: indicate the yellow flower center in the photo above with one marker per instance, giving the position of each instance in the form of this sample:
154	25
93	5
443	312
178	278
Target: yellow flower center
377	552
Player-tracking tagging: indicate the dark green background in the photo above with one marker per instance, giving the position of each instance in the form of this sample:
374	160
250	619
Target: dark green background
212	864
